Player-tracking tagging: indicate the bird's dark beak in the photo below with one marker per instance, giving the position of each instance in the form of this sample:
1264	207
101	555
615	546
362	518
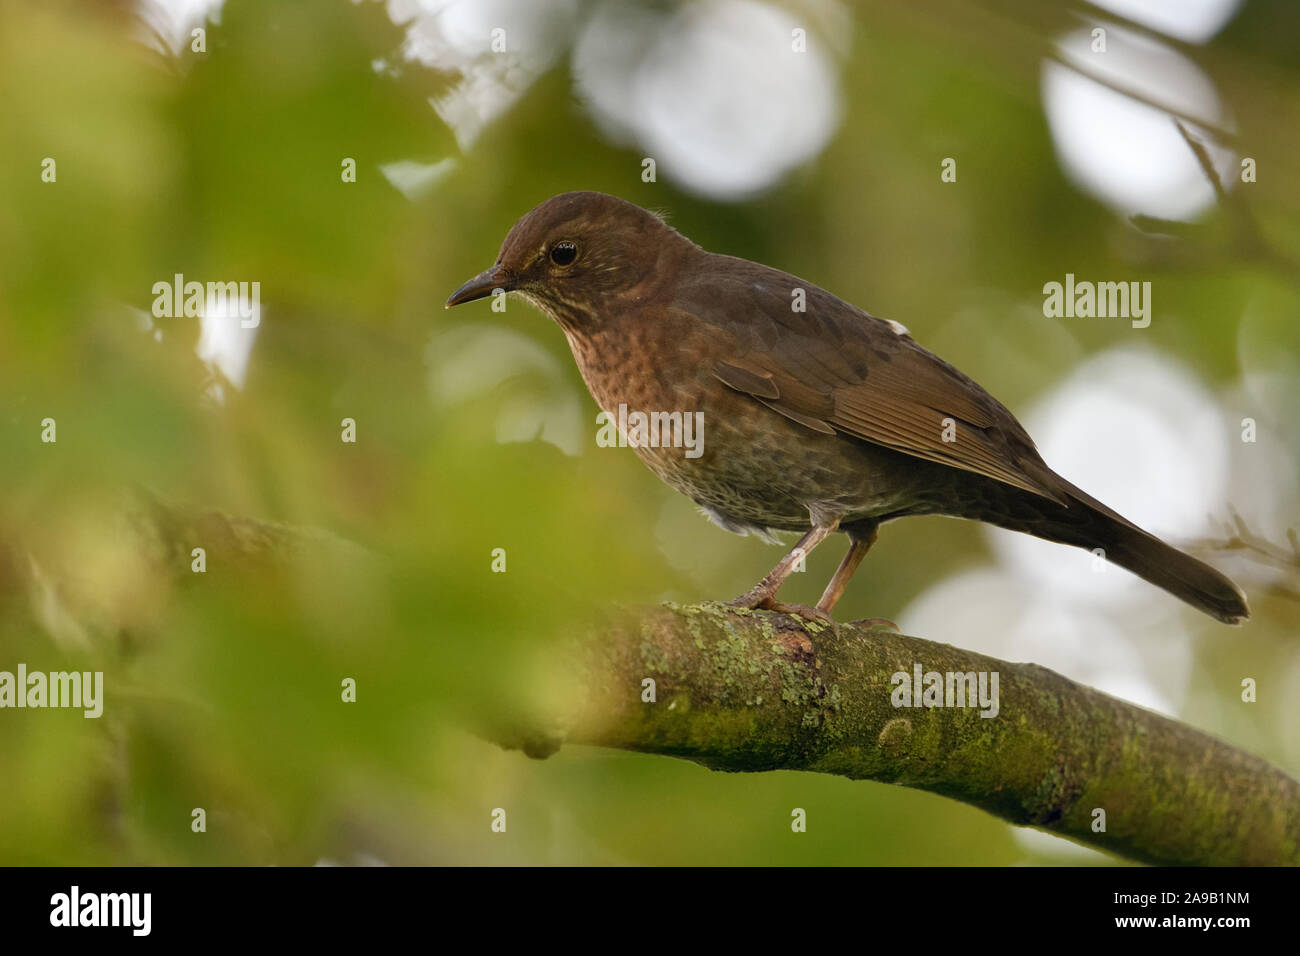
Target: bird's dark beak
481	285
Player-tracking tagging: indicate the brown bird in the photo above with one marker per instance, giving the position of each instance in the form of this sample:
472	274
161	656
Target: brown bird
820	417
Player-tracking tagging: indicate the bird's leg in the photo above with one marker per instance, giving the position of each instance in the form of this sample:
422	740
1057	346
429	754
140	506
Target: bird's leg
763	594
835	589
858	549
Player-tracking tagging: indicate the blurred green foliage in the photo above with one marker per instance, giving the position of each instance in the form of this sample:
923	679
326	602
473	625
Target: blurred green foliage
223	691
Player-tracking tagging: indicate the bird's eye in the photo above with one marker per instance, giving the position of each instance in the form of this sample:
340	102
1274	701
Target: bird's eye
564	252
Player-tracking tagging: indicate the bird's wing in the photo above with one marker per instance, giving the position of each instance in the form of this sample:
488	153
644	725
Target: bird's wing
834	368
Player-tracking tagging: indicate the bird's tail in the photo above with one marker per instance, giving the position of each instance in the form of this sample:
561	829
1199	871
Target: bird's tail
1085	522
1180	574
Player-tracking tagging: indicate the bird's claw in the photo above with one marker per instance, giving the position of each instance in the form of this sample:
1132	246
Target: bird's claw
878	622
758	602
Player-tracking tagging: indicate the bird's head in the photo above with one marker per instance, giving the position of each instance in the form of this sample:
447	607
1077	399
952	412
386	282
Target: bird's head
578	254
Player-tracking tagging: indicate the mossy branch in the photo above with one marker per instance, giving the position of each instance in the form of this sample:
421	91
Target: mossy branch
755	690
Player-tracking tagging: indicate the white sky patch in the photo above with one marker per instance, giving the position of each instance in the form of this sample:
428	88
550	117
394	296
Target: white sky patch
1192	20
1124	152
1009	618
415	180
712	91
1139	432
457	36
224	342
1145	438
172	22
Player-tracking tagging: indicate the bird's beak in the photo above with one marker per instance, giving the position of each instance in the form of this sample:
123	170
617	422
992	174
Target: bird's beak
481	285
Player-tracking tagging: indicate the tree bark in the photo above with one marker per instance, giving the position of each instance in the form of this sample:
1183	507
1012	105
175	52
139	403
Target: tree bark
756	690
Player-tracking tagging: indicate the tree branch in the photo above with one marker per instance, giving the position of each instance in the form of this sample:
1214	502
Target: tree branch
753	691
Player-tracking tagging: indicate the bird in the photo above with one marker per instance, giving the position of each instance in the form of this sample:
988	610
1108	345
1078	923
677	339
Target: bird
819	418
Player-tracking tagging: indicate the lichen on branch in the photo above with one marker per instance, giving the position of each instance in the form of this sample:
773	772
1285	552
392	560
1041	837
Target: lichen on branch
756	690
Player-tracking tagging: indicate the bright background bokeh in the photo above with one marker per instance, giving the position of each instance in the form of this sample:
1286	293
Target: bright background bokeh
475	431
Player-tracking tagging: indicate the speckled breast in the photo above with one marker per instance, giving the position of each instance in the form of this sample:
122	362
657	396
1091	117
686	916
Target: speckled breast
749	465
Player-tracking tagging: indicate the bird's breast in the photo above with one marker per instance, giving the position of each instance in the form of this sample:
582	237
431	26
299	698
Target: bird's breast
724	449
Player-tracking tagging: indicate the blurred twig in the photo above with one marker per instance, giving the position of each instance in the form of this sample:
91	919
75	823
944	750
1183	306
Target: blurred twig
1056	56
1238	538
1247	241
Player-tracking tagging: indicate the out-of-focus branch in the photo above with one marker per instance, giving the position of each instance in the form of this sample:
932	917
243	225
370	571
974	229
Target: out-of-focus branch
1246	241
1238	538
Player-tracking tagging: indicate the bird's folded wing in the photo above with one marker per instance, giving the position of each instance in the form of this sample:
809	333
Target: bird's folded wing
833	368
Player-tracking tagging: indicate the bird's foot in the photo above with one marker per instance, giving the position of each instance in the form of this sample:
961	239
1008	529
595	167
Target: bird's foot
878	622
750	600
765	602
803	611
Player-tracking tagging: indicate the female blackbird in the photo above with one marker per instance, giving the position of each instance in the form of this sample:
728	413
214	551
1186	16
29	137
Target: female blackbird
820	417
